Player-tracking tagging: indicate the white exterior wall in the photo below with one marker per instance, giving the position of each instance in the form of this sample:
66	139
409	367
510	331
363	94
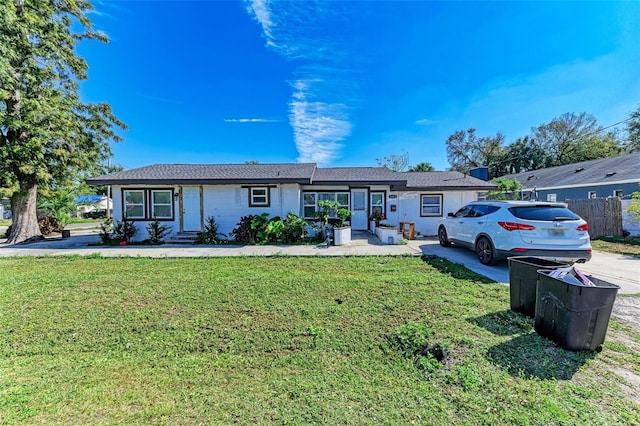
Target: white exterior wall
408	208
141	225
228	203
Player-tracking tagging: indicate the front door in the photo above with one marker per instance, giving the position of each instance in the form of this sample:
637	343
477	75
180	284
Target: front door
191	209
359	220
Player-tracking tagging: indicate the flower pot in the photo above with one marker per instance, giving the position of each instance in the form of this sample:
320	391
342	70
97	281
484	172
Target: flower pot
342	236
388	235
372	226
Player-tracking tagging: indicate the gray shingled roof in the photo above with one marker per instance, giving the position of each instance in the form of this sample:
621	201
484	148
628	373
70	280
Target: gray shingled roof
358	175
302	173
448	180
619	169
210	173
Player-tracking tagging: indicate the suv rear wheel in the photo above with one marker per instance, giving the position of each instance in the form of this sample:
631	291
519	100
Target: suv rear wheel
484	250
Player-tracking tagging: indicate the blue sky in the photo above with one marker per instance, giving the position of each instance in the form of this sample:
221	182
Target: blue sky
343	83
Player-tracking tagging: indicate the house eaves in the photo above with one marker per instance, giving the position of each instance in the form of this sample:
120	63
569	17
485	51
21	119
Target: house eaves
584	185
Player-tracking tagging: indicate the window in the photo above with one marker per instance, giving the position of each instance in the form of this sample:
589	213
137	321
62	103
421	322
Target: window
161	205
431	205
259	197
551	197
147	204
134	204
311	200
592	194
617	193
377	203
309	207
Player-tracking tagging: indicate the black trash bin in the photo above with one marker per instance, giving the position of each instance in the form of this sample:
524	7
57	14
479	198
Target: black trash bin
573	315
523	276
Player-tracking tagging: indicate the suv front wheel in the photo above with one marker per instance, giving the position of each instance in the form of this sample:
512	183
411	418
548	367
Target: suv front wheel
484	250
442	237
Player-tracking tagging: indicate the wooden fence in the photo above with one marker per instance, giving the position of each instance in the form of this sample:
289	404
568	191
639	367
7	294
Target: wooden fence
604	215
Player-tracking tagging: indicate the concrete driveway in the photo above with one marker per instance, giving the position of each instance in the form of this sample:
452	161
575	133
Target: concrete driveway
612	268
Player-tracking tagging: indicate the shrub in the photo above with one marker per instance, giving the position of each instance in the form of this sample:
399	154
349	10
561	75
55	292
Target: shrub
634	208
243	232
125	230
294	229
157	231
259	225
274	230
210	234
106	229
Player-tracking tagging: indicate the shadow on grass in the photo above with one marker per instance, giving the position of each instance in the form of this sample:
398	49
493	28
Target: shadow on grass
456	270
533	356
504	323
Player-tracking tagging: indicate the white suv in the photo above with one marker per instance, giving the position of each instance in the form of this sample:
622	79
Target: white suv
500	229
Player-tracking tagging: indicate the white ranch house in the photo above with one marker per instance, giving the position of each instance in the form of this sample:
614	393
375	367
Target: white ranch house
185	195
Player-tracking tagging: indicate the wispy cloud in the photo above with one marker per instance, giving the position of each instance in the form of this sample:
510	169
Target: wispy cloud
322	88
425	122
250	120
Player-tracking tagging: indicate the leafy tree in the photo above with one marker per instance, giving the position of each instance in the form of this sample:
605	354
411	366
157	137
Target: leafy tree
507	189
422	167
465	151
395	162
47	134
522	155
571	138
633	132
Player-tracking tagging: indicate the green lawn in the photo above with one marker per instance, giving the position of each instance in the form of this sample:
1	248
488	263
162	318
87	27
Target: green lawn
629	246
288	340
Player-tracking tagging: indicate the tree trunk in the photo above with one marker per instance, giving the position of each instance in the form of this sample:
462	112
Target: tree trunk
24	227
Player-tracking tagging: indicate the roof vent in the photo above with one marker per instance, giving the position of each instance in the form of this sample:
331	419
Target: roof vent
609	174
579	169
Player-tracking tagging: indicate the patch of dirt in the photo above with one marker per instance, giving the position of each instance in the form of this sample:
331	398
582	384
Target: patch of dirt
628	309
630	383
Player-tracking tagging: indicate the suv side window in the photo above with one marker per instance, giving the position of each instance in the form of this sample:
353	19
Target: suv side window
479	210
463	212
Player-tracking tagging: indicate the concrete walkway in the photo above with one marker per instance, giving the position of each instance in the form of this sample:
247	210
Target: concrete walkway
621	270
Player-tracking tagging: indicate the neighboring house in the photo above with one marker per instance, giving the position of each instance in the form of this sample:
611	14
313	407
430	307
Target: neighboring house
89	203
606	177
184	195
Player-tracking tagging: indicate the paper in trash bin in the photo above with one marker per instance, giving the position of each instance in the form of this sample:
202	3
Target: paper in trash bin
571	275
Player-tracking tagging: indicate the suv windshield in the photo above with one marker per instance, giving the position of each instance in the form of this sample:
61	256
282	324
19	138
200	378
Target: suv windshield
548	213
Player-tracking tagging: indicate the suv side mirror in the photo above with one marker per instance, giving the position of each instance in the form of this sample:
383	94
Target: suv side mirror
450	214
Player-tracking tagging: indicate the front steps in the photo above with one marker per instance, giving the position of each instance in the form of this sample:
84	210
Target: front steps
184	237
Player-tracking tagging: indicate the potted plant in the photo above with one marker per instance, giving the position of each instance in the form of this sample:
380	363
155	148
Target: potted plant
342	232
375	218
